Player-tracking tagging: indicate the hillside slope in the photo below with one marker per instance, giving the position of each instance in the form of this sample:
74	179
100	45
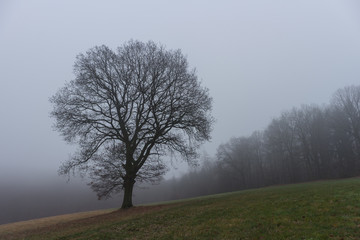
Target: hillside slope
319	210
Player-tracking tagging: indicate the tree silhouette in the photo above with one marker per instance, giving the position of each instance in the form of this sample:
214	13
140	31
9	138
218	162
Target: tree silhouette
126	110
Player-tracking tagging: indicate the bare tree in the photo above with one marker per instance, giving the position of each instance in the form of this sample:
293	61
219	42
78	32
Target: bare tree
282	149
126	110
240	161
347	102
313	137
345	112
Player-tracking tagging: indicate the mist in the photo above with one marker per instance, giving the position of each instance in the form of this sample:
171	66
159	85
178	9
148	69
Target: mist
304	143
48	196
260	60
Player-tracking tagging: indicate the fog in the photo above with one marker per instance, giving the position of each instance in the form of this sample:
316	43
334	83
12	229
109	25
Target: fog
258	59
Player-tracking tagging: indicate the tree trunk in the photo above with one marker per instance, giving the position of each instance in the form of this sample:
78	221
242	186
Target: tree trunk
128	191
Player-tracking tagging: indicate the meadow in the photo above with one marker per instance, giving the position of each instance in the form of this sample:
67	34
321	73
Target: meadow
316	210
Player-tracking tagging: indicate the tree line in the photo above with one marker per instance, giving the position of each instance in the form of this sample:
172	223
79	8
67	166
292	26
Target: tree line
305	143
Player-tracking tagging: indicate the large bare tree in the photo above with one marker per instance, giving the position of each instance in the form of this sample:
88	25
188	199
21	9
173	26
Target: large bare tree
126	109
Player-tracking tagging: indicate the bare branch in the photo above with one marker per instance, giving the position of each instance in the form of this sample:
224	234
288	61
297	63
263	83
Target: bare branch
126	109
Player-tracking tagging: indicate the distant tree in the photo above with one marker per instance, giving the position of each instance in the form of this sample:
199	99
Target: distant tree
345	116
282	149
127	109
240	161
347	102
232	166
343	157
313	135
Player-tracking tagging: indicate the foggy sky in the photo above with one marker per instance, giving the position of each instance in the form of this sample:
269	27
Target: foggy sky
257	58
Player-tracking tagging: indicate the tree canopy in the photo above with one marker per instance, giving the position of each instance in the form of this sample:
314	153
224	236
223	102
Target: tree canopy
128	108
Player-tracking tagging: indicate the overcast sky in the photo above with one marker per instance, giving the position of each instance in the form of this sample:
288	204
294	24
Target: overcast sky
258	58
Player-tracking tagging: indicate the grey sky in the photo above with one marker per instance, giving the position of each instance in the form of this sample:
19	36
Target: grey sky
258	58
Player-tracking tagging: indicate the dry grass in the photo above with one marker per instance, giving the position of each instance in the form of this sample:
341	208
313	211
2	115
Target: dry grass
69	223
34	224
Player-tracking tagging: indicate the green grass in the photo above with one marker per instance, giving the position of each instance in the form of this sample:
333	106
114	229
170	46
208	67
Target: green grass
319	210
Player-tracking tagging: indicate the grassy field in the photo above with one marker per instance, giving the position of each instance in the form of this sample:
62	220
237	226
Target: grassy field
319	210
